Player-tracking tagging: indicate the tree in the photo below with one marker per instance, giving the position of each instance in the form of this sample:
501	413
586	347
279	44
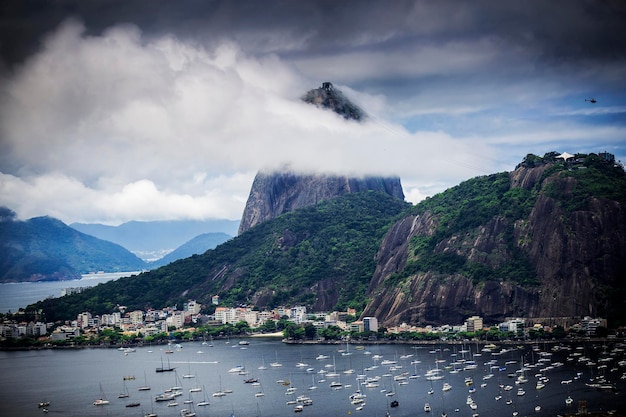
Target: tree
242	327
268	327
282	324
310	331
331	333
558	332
293	331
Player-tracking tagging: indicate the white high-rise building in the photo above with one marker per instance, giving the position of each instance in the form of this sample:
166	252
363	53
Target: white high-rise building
370	324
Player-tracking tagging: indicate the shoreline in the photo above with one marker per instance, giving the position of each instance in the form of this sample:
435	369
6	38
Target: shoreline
453	342
279	335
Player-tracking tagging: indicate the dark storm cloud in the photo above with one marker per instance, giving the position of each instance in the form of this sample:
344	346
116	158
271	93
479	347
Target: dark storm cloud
553	30
183	101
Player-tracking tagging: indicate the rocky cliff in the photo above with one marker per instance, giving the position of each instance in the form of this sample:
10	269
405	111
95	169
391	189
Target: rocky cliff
554	248
273	194
281	191
546	240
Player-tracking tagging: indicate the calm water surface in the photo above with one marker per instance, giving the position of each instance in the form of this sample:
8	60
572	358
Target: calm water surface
14	296
72	379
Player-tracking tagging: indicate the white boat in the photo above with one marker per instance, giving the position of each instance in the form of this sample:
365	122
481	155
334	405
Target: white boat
205	401
145	386
103	399
164	397
189	375
427	407
276	364
187	413
124	393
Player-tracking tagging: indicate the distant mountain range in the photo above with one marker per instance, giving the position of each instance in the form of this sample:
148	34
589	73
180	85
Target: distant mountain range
46	249
152	240
195	246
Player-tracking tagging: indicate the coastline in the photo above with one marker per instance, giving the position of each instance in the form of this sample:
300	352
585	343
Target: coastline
279	335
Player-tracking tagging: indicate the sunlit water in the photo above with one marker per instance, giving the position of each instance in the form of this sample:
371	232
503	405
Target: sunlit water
72	379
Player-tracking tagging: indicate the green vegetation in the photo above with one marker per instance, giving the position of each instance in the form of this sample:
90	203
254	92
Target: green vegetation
594	178
47	249
460	211
323	257
474	203
281	261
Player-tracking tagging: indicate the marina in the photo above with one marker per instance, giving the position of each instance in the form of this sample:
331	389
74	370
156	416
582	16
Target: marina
317	380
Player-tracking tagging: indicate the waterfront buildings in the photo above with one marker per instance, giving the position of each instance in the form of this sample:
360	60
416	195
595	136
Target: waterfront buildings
155	321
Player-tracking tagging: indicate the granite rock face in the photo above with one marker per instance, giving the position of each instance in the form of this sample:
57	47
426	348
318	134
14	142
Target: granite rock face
281	191
579	259
276	193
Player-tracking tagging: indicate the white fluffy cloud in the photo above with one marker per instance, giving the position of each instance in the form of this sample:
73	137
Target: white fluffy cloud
115	127
122	126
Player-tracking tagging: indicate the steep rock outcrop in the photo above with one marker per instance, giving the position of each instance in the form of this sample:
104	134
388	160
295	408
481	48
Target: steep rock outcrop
273	194
281	191
579	259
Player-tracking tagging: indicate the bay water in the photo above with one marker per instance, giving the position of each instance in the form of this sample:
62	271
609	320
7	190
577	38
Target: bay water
14	296
72	379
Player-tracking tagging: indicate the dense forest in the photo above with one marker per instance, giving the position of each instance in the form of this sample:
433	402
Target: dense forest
277	262
44	248
325	256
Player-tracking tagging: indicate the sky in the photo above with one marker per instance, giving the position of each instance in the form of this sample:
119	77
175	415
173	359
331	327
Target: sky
112	111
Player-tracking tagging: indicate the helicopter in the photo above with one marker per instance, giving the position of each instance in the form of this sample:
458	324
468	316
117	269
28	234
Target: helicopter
591	100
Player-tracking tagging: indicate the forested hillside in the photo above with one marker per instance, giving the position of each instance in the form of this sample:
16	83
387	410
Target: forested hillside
545	240
321	256
44	248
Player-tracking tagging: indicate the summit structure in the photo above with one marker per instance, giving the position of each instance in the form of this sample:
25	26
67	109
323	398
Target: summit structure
277	192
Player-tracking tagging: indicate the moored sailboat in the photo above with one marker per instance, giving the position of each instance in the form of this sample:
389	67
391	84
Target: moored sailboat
103	399
163	368
145	386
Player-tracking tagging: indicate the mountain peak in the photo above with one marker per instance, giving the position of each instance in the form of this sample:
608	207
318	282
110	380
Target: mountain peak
276	192
329	97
